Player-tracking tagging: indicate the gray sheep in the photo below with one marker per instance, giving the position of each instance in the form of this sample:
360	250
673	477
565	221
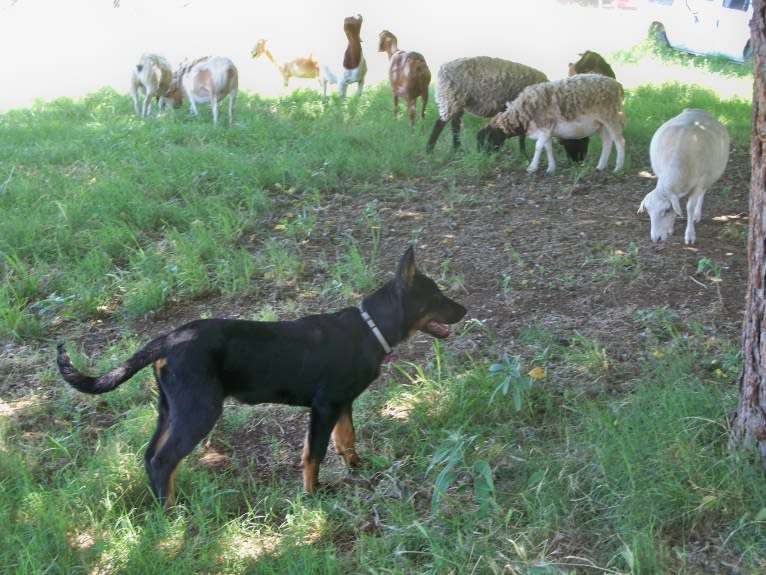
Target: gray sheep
480	85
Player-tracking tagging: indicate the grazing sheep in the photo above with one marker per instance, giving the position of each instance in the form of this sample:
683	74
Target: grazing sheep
205	80
480	85
689	153
408	73
571	108
589	63
151	77
301	67
354	64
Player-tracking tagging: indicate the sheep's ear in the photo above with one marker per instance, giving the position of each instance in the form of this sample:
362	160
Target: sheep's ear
642	207
676	204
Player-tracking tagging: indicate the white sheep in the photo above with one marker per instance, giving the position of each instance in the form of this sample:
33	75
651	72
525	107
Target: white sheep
480	85
570	108
205	80
354	64
151	77
689	153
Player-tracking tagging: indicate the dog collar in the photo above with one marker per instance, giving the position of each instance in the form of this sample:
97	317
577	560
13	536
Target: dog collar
376	332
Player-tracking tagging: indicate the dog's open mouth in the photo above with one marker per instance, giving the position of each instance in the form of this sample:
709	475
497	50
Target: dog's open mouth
435	329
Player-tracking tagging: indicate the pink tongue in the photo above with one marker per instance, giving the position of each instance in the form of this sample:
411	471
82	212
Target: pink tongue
438	328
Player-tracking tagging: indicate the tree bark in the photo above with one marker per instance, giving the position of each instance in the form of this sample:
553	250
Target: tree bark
749	422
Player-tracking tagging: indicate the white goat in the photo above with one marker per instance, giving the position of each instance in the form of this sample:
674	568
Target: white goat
689	153
205	80
354	64
151	77
570	108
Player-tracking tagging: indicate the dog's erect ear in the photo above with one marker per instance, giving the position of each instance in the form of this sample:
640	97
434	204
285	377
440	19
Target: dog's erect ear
405	271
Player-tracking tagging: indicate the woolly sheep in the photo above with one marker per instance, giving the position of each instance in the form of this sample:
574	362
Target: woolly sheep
590	62
689	153
570	108
480	85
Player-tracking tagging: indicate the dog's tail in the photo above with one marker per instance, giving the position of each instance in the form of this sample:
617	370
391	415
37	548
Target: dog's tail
150	353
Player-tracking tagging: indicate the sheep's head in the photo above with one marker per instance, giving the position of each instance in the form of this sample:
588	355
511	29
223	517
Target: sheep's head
501	127
662	207
490	138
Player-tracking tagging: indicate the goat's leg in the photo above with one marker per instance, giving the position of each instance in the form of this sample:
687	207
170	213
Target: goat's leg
232	99
214	107
395	99
192	105
411	109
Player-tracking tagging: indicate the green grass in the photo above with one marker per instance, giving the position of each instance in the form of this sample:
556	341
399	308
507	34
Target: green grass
534	466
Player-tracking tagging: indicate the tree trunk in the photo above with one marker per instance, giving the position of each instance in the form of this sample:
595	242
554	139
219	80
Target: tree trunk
749	423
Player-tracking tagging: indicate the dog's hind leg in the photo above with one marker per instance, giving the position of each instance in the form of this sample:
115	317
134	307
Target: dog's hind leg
160	433
180	429
345	439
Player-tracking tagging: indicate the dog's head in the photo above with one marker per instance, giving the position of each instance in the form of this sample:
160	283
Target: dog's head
425	306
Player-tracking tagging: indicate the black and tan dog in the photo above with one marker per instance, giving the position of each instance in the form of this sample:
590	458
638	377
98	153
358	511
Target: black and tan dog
320	361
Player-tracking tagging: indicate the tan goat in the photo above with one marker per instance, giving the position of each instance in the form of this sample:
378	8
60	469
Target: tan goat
205	80
151	77
301	67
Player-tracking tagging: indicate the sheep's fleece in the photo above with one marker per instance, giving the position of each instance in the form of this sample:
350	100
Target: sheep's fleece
689	153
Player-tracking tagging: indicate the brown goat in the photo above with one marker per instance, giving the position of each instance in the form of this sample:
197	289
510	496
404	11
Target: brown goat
409	75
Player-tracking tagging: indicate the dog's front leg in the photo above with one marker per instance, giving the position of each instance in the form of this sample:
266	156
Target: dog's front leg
321	423
345	439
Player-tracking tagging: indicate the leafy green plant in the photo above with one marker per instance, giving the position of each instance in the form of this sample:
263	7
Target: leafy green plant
450	462
513	381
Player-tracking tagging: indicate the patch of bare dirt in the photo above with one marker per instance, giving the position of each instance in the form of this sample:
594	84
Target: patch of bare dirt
519	251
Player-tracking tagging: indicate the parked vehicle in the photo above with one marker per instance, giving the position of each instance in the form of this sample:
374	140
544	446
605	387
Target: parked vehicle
705	27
